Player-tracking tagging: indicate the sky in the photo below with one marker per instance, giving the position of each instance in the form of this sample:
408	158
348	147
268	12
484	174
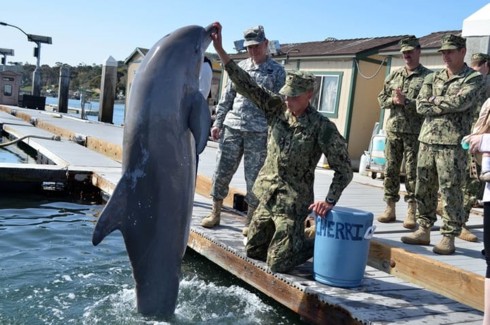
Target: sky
89	32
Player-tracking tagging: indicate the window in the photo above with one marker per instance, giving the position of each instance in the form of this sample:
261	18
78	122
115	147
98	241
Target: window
326	98
7	90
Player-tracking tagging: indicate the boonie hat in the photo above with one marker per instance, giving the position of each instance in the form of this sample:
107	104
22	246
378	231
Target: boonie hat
479	57
409	43
297	83
254	36
452	42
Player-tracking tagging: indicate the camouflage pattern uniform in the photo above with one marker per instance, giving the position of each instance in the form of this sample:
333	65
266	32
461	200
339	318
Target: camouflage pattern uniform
473	188
284	185
245	130
402	131
447	103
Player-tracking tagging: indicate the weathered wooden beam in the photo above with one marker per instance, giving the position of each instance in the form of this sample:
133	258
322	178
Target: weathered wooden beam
465	287
108	149
447	280
311	309
203	187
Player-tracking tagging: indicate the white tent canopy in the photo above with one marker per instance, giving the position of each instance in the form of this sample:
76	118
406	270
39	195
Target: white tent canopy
478	24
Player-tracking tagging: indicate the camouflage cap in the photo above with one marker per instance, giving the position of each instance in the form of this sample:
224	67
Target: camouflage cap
297	83
254	36
452	42
479	57
409	43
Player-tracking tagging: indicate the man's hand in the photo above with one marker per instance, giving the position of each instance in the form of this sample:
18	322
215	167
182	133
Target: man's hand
218	43
398	97
321	208
475	141
215	133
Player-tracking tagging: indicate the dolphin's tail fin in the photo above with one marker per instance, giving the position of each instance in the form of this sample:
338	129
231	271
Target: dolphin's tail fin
112	216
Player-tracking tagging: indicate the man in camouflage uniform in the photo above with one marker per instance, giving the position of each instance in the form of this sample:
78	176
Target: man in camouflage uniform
402	128
481	63
241	126
298	135
473	187
445	100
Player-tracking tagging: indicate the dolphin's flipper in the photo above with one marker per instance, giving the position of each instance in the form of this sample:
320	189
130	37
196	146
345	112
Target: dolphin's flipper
199	121
112	216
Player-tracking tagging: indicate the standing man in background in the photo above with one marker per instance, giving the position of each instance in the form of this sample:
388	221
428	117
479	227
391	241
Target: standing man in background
402	128
241	126
473	187
446	100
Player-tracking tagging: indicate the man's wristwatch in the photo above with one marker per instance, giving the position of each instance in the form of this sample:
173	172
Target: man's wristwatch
407	101
331	201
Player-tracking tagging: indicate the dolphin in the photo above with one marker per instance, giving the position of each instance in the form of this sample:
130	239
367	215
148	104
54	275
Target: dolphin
167	125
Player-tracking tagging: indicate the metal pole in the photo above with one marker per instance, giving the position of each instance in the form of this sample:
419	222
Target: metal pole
36	75
38	39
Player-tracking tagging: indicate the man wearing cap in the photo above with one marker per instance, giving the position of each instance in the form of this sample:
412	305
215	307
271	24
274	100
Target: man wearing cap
481	63
241	126
298	136
473	187
446	101
402	128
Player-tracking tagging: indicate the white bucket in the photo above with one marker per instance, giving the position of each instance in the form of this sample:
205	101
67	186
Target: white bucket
363	165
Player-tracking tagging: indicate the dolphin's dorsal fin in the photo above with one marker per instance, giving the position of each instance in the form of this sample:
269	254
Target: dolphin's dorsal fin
199	121
113	214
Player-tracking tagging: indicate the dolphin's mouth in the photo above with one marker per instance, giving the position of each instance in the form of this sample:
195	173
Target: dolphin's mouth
208	31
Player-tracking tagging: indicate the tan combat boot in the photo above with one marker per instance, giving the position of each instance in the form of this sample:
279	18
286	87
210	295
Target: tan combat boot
389	214
409	221
214	217
419	237
467	235
445	246
250	213
310	228
310	232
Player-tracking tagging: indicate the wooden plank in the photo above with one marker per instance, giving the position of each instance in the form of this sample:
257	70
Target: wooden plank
467	287
460	285
108	149
203	187
308	306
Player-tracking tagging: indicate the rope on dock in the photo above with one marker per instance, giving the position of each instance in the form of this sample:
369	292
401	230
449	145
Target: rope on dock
54	137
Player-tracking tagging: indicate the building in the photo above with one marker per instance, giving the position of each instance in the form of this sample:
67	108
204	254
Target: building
350	74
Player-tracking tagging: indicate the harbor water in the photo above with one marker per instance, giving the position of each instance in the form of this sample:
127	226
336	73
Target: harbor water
50	273
91	109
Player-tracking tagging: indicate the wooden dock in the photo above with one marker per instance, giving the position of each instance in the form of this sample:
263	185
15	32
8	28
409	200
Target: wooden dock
403	284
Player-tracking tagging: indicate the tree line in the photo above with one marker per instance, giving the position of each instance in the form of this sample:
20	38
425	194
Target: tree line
83	78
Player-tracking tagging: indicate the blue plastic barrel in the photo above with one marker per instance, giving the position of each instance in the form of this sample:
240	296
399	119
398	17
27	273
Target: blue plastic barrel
342	246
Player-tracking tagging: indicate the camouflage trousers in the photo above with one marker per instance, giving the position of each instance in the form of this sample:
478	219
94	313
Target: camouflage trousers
234	145
440	167
276	235
398	146
472	188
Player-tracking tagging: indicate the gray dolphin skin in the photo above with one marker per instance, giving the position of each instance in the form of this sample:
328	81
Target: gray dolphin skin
167	124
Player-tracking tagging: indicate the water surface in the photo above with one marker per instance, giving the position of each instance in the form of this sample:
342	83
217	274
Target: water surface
51	274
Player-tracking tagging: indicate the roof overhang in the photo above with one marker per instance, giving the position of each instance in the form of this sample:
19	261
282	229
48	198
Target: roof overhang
478	24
